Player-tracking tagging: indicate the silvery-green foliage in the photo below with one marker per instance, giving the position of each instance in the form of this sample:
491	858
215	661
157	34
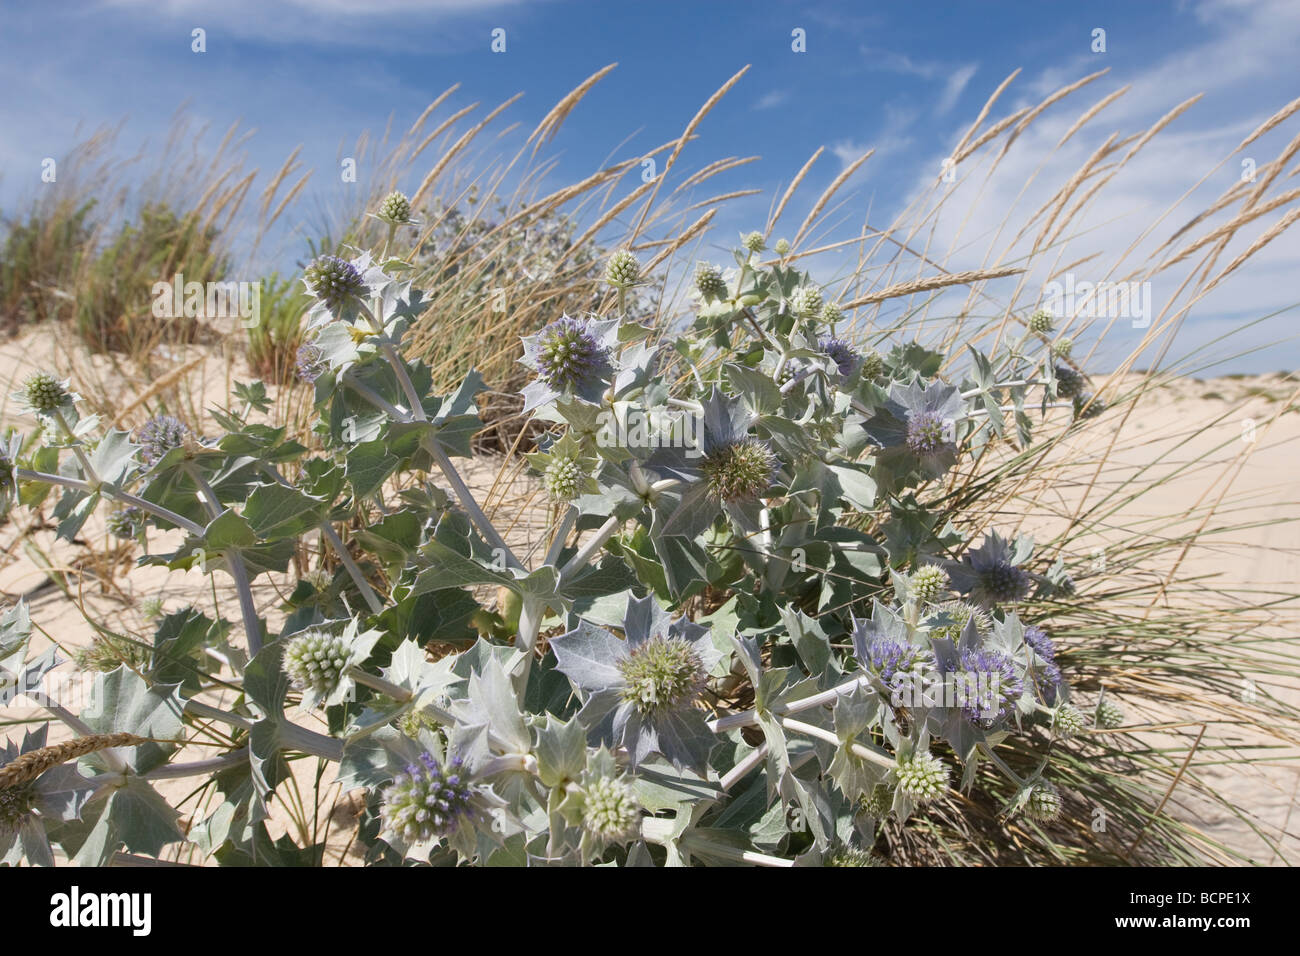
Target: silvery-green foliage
734	652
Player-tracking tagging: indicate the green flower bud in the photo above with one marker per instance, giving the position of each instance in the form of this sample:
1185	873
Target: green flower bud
806	301
754	242
740	471
622	270
44	392
782	247
315	660
1040	322
662	674
873	365
830	314
922	777
1069	721
1044	803
395	208
1063	347
1109	715
852	856
879	801
611	813
928	583
709	282
563	478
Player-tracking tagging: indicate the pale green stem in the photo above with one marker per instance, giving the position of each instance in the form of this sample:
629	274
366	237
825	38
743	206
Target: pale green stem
235	564
113	495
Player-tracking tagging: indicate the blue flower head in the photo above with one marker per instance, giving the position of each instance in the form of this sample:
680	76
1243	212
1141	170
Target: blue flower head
916	428
989	685
990	574
843	354
572	358
642	692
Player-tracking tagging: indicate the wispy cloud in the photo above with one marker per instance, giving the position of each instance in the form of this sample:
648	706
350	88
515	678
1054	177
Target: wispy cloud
955	86
772	100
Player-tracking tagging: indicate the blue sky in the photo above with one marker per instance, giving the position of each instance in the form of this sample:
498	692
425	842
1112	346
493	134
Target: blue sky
906	79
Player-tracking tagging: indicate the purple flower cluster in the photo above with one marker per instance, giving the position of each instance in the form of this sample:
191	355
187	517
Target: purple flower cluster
842	354
890	656
990	684
1043	646
925	433
159	435
428	801
333	280
310	365
570	357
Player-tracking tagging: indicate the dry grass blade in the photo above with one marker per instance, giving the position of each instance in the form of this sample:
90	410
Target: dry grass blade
931	283
27	767
552	121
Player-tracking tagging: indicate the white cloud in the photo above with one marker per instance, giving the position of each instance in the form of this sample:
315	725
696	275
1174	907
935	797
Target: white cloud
953	89
771	100
1157	192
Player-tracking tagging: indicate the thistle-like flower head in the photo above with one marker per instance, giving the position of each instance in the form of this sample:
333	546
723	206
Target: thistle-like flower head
1069	383
334	280
852	856
45	393
922	776
806	301
428	801
310	364
742	470
125	522
782	247
831	313
878	801
873	365
16	805
622	271
662	674
927	433
315	660
1041	322
989	684
1109	714
611	812
928	583
158	436
1069	721
1044	802
562	478
1063	347
990	574
917	427
709	282
1088	406
395	208
641	692
959	612
843	354
572	357
753	241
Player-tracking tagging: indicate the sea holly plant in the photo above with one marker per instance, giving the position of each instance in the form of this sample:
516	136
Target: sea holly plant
756	634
